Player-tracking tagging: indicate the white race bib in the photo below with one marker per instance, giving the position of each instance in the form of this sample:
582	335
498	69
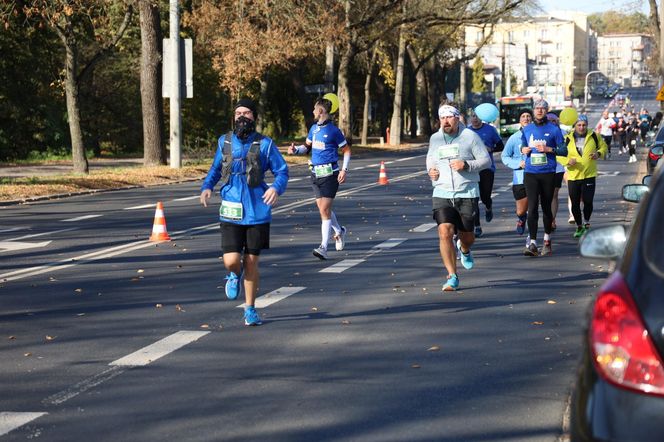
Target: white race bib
448	151
323	170
538	159
231	210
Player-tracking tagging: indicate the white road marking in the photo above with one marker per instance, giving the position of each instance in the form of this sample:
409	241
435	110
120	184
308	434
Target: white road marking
13	229
11	420
35	235
614	173
292	180
342	265
159	349
390	243
144	206
424	227
187	198
409	158
274	296
13	246
359	168
80	218
83	386
136	245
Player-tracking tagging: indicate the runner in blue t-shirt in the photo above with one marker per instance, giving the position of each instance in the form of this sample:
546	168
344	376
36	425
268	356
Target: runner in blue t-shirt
324	141
493	142
541	141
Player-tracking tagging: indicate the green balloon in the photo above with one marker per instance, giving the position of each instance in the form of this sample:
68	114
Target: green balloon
569	116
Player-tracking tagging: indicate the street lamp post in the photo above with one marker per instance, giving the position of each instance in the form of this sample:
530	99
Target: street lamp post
585	88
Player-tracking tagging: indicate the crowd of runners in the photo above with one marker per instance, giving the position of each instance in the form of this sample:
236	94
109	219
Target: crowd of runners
459	163
542	154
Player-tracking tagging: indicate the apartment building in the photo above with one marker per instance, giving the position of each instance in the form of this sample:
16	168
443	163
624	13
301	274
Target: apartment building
543	52
623	58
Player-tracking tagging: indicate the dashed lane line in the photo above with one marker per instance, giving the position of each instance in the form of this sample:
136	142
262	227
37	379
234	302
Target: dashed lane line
136	245
35	235
274	296
346	264
159	349
11	420
424	227
342	266
80	218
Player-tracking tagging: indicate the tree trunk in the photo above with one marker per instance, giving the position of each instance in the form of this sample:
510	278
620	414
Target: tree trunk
423	115
329	67
79	160
367	98
306	105
432	101
152	103
395	125
412	101
262	100
345	123
384	100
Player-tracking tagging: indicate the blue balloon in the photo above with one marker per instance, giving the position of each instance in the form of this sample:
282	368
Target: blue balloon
487	112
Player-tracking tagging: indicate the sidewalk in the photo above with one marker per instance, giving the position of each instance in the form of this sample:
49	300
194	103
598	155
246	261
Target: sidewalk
20	171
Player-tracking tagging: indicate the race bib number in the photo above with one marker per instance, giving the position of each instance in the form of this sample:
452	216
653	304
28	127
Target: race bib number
538	159
323	170
448	151
231	210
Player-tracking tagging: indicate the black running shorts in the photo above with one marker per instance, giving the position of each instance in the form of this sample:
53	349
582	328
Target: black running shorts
325	187
458	211
558	183
519	191
250	239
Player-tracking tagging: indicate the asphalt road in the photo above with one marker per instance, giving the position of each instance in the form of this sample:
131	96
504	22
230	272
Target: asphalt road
106	336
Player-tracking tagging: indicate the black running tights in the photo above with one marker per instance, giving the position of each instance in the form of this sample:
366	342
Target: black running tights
486	187
539	187
581	190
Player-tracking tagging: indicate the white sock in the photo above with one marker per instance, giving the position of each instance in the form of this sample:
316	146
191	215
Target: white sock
325	232
335	224
547	237
533	241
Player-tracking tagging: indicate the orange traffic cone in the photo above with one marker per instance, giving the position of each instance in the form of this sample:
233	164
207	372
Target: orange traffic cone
382	176
159	227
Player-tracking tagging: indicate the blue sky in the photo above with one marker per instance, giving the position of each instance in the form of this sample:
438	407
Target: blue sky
590	6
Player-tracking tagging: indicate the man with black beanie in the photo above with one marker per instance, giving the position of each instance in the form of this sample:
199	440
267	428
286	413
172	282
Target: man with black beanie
242	158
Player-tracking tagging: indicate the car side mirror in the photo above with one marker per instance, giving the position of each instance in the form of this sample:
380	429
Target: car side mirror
605	242
657	150
646	180
634	192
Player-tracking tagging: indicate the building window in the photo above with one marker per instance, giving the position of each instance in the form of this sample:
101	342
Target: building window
479	36
559	46
526	34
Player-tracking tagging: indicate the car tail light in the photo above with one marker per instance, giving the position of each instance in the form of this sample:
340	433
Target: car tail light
623	352
653	156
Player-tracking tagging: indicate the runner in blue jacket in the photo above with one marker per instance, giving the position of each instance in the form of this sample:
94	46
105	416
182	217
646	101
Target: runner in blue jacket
241	160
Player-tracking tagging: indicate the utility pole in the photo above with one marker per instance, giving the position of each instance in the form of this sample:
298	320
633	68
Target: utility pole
175	99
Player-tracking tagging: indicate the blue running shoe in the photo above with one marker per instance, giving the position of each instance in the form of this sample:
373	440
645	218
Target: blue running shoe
452	284
251	316
233	285
478	231
467	260
521	225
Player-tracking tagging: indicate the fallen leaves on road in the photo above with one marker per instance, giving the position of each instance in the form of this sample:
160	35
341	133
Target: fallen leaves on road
49	338
78	290
538	323
551	301
344	322
416	366
205	325
178	308
433	348
159	305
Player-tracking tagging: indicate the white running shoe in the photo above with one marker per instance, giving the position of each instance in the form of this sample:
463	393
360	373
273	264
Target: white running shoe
340	239
320	252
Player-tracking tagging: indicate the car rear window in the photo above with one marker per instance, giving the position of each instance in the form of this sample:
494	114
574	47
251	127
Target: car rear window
653	252
660	136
